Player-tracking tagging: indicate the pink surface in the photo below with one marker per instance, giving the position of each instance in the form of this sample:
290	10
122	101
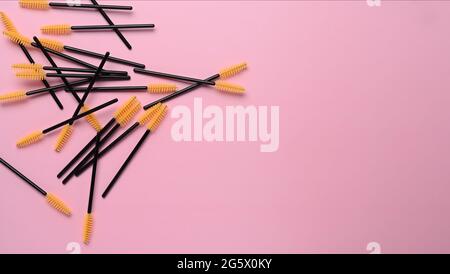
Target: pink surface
364	133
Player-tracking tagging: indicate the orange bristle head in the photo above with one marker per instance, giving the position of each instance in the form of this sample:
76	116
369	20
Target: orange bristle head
125	107
30	139
92	119
63	137
34	4
157	118
148	114
7	22
229	87
87	228
27	66
17	38
13	96
233	70
52	44
60	29
127	116
161	88
58	204
31	75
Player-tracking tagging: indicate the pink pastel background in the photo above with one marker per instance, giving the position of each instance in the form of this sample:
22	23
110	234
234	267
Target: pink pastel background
364	133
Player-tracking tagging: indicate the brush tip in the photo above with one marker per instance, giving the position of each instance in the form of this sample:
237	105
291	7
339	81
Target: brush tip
30	139
60	29
58	204
87	228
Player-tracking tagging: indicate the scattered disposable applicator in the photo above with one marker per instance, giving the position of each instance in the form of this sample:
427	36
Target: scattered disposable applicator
64	29
51	198
151	127
150	88
44	4
39	67
38	135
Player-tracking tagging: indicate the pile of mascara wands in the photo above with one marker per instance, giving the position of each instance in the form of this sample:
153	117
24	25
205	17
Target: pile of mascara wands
79	82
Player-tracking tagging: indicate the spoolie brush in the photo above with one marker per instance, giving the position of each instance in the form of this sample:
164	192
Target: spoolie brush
33	74
44	4
38	135
223	74
150	88
64	29
17	38
142	121
52	200
38	67
120	118
151	127
60	47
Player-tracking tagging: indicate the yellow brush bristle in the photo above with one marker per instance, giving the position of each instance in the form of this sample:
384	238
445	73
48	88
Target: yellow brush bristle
63	137
17	38
229	87
13	96
34	4
125	107
233	70
56	29
7	22
30	139
148	114
58	204
52	44
37	67
157	118
87	228
92	119
161	88
126	117
31	75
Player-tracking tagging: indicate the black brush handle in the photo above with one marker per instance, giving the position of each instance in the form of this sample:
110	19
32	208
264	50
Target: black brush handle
126	163
79	116
87	6
173	76
94	173
98	55
112	89
46	84
110	22
109	27
85	148
68	57
113	144
180	92
23	177
118	72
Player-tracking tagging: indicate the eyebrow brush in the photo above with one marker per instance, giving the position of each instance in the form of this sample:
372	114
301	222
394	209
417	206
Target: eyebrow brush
52	200
150	88
64	29
44	4
110	22
60	47
81	70
38	135
151	127
121	117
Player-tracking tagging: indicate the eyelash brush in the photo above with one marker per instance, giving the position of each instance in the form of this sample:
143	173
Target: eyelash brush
110	22
24	41
33	74
38	135
224	74
52	200
89	219
67	130
64	29
151	127
20	95
24	66
121	116
142	121
44	4
219	85
150	88
60	47
125	117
